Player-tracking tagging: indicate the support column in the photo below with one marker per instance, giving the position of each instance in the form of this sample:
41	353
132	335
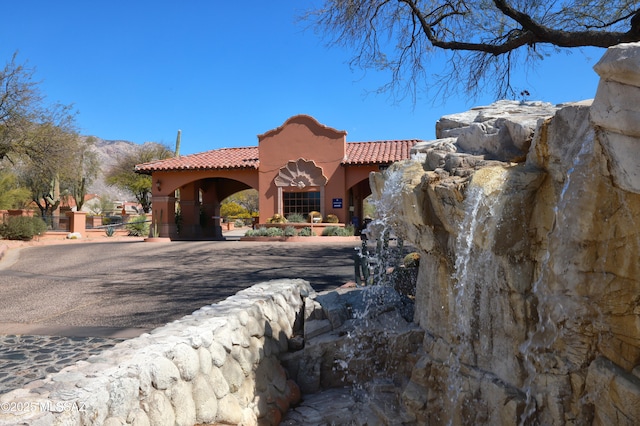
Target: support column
163	216
190	211
78	222
211	213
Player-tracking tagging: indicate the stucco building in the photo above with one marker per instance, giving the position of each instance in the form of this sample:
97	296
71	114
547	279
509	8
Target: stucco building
299	167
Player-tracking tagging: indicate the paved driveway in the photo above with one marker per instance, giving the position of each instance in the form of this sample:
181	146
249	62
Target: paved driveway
124	284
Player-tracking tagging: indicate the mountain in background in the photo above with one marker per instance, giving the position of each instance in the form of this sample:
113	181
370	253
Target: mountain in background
109	151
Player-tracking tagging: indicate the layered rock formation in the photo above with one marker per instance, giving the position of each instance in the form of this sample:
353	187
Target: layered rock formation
527	219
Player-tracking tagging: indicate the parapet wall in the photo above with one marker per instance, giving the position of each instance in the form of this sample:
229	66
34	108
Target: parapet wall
218	365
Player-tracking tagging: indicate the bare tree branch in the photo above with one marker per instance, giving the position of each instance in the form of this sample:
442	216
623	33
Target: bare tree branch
401	35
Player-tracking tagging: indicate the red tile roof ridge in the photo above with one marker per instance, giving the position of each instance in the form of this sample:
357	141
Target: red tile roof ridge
368	152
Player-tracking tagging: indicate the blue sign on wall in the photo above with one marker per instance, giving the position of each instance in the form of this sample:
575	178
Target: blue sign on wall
337	203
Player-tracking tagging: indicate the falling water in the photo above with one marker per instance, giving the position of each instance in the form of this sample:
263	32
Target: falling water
380	301
553	308
475	271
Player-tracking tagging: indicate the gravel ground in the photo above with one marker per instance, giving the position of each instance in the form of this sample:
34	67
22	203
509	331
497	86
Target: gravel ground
125	283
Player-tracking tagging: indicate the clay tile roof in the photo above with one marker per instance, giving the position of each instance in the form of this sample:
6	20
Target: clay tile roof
225	158
379	151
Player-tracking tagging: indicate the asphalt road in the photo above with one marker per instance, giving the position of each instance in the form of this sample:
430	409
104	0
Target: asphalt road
145	285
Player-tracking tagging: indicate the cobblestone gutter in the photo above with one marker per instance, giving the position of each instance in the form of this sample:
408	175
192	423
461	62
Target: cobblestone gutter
218	365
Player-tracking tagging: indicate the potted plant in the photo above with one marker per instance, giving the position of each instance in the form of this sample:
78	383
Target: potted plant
315	217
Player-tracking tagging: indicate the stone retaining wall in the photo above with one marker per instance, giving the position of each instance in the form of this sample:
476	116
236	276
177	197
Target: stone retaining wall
219	365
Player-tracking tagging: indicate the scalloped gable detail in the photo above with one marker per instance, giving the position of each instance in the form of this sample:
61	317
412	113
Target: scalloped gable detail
311	123
301	174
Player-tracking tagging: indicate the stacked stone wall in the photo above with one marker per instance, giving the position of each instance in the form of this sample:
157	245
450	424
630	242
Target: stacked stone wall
219	365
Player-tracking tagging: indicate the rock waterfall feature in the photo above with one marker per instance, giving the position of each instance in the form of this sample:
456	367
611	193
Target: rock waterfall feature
527	219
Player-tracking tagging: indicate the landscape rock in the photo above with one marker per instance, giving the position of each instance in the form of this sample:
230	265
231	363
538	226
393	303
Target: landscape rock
501	131
529	258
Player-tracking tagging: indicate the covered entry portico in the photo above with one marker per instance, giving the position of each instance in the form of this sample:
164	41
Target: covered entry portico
197	195
298	167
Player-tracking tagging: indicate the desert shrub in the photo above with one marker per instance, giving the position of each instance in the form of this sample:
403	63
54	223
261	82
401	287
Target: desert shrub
238	223
337	231
265	232
306	232
137	226
22	228
260	232
276	218
110	230
296	218
275	232
330	231
232	209
289	231
331	218
412	260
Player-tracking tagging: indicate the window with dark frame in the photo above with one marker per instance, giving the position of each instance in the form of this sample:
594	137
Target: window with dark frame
300	202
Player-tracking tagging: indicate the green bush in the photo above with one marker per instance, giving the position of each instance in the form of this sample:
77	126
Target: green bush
137	226
296	218
110	230
260	232
22	228
265	232
275	232
276	218
238	223
306	232
289	231
412	260
337	231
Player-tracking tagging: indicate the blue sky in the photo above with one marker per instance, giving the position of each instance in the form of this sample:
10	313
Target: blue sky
225	72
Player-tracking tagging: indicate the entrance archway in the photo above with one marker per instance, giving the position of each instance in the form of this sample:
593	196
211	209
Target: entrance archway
194	212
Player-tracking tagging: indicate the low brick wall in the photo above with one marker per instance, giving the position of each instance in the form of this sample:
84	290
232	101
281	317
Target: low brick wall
218	365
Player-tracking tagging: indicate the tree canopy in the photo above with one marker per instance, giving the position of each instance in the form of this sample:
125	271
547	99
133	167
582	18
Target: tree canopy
38	141
24	112
84	171
241	204
483	41
123	175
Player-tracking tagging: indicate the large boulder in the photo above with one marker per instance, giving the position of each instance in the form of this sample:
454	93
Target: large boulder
530	258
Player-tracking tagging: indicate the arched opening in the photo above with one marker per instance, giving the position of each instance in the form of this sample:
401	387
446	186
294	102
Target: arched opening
358	195
197	207
240	208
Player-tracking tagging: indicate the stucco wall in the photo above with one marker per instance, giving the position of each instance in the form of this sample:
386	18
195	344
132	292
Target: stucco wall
303	137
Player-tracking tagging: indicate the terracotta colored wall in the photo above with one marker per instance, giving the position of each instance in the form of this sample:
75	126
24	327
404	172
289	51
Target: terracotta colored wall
190	181
300	137
303	137
170	181
356	174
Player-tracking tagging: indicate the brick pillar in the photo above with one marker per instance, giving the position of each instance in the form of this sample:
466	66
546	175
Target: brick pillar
77	222
163	210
